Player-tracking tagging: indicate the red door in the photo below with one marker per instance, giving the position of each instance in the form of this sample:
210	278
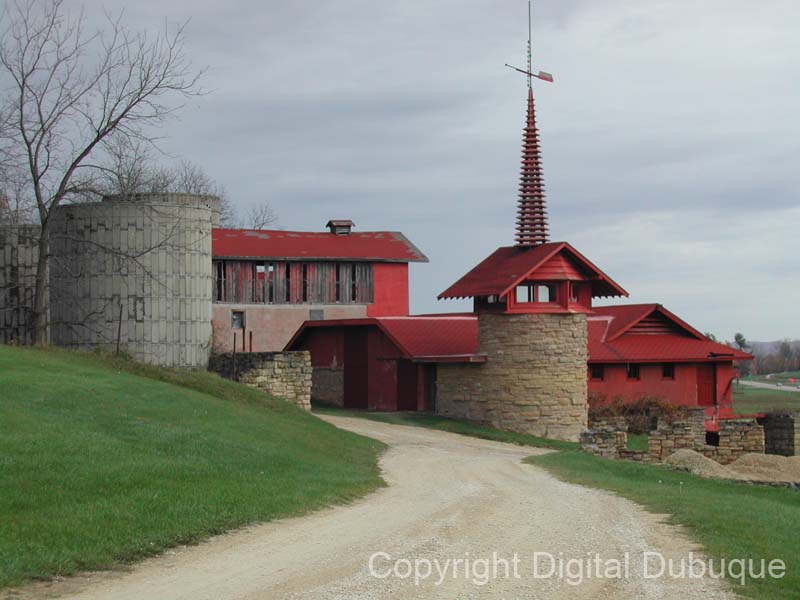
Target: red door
406	385
706	384
355	367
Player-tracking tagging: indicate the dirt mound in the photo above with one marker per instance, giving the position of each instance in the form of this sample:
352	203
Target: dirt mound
768	467
750	467
697	464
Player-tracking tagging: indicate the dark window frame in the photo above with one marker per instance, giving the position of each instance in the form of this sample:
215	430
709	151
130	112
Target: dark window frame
597	372
668	371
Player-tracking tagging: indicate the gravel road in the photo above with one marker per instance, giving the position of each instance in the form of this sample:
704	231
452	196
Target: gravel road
449	497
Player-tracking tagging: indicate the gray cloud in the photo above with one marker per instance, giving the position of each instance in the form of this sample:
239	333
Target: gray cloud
670	136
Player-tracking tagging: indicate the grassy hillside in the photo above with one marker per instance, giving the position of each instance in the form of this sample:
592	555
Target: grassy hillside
105	460
749	400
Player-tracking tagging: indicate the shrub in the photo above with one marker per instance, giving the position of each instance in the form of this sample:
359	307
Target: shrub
641	415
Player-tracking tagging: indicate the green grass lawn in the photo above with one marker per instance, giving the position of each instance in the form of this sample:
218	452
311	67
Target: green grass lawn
749	400
731	520
104	460
638	441
452	425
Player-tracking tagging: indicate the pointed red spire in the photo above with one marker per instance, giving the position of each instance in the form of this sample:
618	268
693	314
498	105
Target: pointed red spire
532	209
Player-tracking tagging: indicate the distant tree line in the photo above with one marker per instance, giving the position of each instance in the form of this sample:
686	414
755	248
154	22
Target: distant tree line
770	357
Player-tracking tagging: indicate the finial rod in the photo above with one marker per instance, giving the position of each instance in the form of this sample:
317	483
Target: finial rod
530	64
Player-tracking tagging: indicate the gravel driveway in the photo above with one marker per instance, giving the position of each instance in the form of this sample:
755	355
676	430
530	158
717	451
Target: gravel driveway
449	497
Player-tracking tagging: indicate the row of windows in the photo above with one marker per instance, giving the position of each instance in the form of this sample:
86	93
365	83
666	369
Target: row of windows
261	282
598	372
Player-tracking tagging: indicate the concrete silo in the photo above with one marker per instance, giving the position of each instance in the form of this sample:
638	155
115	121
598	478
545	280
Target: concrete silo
134	270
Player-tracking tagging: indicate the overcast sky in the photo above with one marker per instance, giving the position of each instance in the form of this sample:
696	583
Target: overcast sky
670	137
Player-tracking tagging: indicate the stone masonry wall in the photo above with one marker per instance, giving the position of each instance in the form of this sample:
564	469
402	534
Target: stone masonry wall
736	437
285	375
327	386
534	380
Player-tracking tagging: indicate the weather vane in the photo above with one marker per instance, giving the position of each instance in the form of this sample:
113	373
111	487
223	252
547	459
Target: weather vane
541	74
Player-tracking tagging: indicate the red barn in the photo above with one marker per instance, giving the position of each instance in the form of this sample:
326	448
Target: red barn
535	351
267	283
643	350
385	363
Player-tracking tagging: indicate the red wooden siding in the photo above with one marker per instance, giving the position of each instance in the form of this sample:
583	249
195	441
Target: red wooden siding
560	267
657	324
263	282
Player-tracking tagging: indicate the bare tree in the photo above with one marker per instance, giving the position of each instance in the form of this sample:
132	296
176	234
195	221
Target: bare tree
261	216
71	90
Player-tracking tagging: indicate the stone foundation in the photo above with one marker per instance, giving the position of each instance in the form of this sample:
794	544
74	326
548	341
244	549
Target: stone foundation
285	375
327	386
534	380
736	437
606	441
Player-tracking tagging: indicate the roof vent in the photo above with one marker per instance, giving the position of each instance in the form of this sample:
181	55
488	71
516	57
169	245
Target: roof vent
340	226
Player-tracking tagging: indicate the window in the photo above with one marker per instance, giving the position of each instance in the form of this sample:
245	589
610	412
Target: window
305	282
524	293
237	319
546	293
288	282
220	281
573	293
271	283
633	371
338	286
258	282
668	371
597	372
353	283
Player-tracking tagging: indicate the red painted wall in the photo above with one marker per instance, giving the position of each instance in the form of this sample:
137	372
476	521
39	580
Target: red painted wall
681	391
390	295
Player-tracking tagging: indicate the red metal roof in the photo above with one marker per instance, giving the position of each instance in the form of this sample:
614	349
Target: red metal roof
379	246
443	337
507	266
611	339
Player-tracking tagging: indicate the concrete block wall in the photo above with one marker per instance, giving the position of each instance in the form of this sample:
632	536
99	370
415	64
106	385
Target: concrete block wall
19	255
138	267
284	375
782	434
534	380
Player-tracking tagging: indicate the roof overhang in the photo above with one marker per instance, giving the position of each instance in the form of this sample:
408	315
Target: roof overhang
513	260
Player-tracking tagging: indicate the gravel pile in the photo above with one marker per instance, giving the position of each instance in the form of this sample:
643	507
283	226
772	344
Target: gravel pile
750	467
768	467
697	464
